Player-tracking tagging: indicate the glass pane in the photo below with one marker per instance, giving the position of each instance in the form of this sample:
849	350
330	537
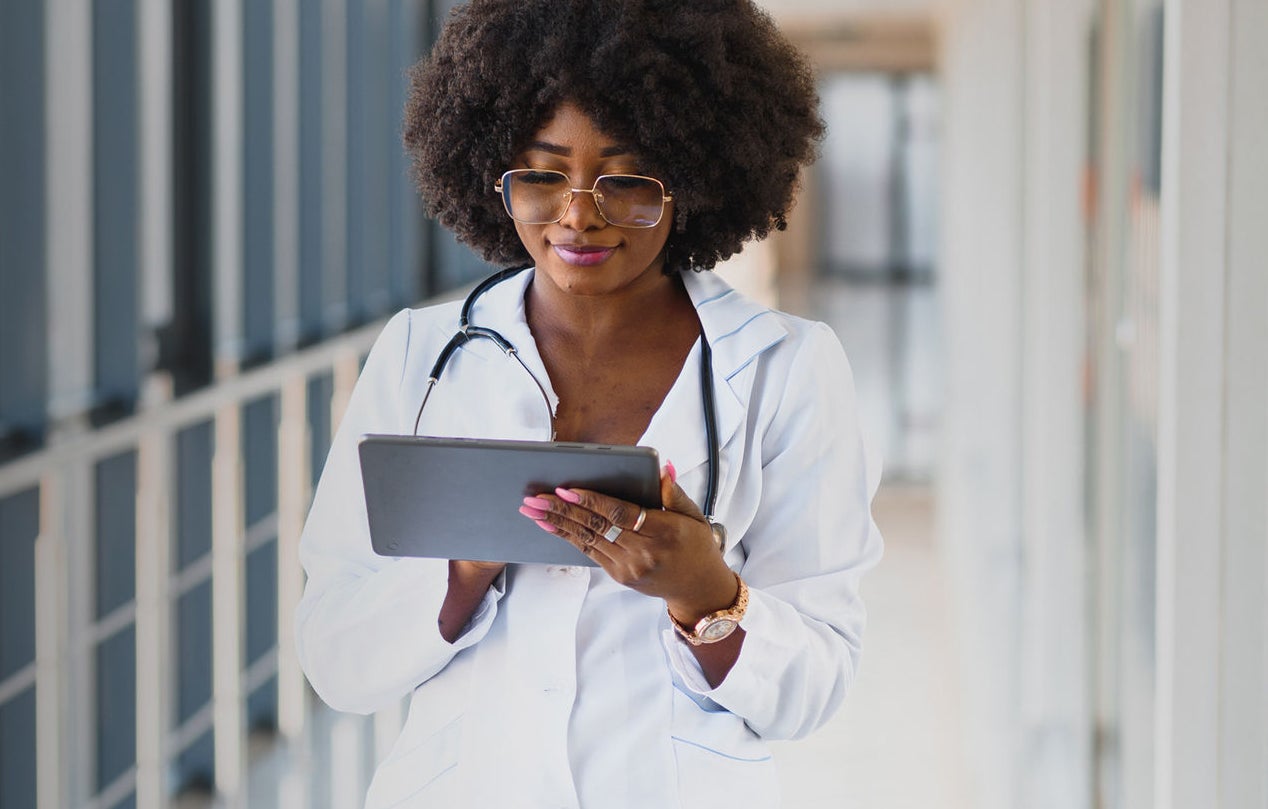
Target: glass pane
127	803
261	617
196	766
116	706
23	338
116	532
193	651
257	182
193	493
185	348
321	389
115	200
259	451
262	706
17	751
19	524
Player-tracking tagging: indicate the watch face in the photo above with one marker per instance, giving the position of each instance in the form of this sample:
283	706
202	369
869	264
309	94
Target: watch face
717	630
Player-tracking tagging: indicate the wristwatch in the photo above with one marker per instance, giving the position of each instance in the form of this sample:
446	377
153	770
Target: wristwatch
718	625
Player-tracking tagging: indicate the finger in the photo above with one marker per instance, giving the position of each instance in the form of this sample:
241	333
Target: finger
583	528
610	510
675	499
607	553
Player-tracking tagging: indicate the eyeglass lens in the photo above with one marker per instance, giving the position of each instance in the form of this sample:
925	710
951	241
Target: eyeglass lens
542	197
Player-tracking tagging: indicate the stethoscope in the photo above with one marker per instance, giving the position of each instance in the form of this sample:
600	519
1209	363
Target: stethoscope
467	332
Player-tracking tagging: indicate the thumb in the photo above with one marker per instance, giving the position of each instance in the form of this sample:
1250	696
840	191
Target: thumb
674	498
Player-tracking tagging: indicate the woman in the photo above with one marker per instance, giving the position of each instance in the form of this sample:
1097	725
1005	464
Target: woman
620	148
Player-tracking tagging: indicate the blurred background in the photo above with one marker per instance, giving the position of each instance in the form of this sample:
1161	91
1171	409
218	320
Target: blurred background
1038	227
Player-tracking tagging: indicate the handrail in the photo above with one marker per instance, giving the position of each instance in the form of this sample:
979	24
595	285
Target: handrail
27	470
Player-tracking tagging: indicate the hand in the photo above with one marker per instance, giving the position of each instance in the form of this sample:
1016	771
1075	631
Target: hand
672	555
468	582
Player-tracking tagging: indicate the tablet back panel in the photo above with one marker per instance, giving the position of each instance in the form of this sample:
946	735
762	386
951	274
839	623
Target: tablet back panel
455	498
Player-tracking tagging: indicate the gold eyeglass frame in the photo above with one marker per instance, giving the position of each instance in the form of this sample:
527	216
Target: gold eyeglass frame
593	191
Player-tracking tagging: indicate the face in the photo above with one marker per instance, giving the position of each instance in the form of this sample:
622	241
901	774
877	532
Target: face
582	254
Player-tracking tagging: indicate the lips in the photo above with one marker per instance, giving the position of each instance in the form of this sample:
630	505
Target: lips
583	255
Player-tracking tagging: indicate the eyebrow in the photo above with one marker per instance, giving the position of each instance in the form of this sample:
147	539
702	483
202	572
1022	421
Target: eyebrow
564	151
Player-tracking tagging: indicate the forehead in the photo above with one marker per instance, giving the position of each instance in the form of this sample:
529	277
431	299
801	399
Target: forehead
570	131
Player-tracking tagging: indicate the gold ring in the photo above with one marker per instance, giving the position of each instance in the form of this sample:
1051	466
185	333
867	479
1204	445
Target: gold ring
642	515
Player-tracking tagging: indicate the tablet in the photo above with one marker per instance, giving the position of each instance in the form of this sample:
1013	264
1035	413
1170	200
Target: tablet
459	498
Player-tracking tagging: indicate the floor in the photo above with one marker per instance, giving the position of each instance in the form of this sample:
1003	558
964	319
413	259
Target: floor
895	743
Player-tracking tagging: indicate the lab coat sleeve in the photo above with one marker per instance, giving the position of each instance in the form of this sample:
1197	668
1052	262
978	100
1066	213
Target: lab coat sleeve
811	540
366	628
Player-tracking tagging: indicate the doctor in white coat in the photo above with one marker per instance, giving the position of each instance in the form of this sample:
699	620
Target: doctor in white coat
653	679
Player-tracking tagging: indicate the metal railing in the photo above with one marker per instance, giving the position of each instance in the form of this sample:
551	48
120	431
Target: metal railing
67	630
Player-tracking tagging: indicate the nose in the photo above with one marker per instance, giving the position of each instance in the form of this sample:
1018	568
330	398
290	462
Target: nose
583	211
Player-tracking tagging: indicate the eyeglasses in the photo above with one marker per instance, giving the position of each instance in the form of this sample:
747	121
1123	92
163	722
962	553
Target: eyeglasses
542	197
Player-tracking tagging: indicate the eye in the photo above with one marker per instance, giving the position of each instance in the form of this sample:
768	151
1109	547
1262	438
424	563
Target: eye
541	178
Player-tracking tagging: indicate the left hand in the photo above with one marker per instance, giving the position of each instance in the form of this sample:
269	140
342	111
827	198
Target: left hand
672	556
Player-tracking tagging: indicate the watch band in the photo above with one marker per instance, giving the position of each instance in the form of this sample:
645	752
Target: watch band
715	626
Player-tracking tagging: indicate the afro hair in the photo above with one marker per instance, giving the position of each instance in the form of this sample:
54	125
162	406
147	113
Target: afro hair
714	100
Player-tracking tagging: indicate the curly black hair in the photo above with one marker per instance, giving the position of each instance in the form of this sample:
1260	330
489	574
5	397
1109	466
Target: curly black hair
713	99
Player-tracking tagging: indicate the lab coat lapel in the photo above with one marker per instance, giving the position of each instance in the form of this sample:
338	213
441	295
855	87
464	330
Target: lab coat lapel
738	330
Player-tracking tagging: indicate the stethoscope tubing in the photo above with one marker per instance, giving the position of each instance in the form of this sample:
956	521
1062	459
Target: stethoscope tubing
467	332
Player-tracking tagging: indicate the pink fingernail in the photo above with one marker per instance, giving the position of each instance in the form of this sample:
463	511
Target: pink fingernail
537	503
673	473
569	495
532	513
545	526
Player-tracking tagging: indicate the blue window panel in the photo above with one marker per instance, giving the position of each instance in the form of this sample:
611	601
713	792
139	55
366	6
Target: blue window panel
23	277
193	651
355	154
186	348
116	532
259	451
127	803
257	182
262	706
17	751
193	493
321	389
19	524
406	222
115	205
116	706
196	766
261	613
312	299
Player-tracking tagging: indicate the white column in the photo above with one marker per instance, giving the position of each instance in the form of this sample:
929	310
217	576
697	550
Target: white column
1243	741
154	672
1192	290
68	216
228	602
286	172
293	493
979	481
52	686
227	167
1055	705
154	73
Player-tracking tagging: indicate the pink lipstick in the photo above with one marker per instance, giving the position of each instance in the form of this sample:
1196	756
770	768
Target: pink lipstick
580	255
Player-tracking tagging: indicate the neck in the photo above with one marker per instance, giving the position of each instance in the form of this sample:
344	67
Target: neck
646	308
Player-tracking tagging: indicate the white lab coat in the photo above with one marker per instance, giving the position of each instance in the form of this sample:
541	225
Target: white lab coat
567	689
